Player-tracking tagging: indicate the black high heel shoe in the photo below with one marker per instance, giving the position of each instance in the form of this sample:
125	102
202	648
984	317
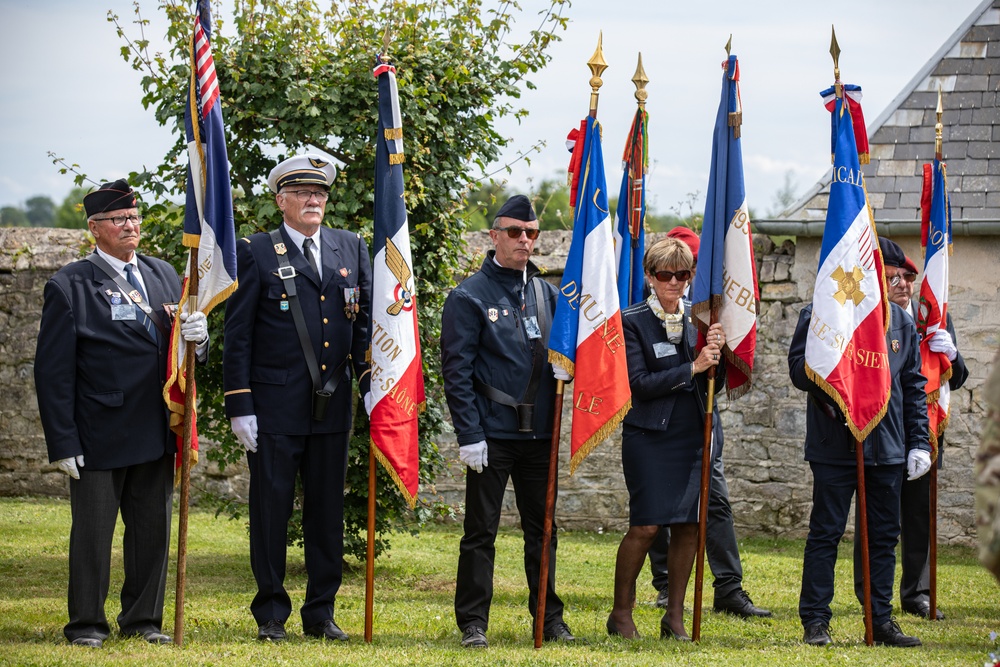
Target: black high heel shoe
613	630
666	632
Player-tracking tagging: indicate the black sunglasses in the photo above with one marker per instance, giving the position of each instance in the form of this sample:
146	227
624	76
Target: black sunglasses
515	232
665	276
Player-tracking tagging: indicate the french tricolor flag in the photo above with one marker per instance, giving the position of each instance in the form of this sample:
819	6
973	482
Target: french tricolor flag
936	240
587	338
846	351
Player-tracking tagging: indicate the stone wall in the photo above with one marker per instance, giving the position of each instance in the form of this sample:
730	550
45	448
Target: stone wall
770	485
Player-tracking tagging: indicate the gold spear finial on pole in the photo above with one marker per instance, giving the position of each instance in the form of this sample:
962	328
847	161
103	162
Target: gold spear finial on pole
838	87
384	56
640	80
938	129
729	46
597	66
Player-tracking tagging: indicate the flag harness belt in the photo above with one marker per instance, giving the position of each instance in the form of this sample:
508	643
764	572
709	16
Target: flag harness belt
127	288
321	392
526	406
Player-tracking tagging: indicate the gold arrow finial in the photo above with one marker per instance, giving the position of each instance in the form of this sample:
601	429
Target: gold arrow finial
729	46
640	80
597	66
384	57
939	128
835	52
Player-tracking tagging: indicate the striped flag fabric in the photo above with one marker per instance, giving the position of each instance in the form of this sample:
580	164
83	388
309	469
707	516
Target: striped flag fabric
208	212
846	351
587	338
630	235
935	238
397	379
726	278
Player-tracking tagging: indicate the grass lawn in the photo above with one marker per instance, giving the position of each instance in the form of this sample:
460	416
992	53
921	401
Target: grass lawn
414	622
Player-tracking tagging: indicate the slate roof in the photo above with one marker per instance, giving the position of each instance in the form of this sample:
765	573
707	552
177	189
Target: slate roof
901	139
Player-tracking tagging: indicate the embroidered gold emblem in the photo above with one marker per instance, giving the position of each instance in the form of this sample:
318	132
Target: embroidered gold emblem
848	285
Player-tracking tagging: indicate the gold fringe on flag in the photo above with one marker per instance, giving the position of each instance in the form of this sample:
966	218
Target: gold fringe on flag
735	121
393	133
396	158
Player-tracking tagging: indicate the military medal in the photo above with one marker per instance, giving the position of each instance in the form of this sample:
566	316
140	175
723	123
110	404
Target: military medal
895	346
352	295
116	297
345	272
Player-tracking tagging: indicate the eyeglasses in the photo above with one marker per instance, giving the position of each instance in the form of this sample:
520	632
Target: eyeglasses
665	276
120	220
305	195
515	232
908	276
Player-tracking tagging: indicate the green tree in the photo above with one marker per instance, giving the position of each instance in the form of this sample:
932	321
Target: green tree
70	214
40	211
294	76
12	216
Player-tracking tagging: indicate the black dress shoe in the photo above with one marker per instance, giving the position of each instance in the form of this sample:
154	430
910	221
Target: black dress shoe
154	637
327	630
474	637
559	632
738	603
272	631
923	608
89	642
661	599
817	634
890	634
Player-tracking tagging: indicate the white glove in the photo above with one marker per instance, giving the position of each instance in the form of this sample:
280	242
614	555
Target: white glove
245	430
71	466
918	462
474	455
941	342
560	373
194	327
368	403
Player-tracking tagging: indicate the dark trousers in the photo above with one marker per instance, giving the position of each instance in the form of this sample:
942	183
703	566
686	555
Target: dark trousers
720	541
142	493
526	462
915	541
834	487
321	461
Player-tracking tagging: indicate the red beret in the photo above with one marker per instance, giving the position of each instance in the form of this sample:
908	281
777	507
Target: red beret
909	265
689	237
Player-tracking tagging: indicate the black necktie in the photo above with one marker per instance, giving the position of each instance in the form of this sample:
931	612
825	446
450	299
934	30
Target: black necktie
307	247
134	282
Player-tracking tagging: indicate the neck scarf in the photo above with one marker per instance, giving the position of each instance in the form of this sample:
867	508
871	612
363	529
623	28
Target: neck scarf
673	323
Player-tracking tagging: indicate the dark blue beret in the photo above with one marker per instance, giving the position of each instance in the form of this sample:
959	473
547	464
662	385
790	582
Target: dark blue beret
892	254
517	207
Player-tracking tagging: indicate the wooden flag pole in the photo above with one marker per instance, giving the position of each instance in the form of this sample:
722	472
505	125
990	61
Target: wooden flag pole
706	485
185	484
862	515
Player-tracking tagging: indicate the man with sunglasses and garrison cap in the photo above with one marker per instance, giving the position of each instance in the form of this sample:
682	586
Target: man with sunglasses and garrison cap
100	368
914	538
295	330
500	390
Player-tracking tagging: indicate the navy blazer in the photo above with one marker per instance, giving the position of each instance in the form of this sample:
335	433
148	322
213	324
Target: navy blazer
659	372
99	381
904	427
264	369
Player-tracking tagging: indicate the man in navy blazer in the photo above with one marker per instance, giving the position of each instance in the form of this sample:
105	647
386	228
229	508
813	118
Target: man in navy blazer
289	425
100	367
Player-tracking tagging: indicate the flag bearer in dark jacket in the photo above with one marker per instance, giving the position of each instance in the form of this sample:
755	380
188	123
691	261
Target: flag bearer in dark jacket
500	390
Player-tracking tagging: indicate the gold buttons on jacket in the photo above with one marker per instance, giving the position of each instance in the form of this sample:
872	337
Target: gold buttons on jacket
326	343
322	297
323	367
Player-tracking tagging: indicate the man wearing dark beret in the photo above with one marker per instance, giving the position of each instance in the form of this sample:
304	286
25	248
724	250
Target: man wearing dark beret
500	390
914	537
296	329
100	368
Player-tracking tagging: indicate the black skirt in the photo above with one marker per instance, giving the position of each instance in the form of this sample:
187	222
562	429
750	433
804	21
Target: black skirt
663	468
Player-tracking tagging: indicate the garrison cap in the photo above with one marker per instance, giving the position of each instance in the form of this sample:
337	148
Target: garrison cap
517	207
302	169
690	239
892	254
109	197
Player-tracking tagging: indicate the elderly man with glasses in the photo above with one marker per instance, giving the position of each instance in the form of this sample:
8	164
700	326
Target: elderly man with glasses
500	390
295	330
100	368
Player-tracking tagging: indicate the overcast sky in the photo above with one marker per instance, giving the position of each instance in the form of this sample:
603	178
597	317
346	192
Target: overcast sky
67	90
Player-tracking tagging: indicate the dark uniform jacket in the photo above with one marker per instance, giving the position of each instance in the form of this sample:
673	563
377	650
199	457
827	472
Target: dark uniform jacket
659	371
904	427
483	336
265	371
100	381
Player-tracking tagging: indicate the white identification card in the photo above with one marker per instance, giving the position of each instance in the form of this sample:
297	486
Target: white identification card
531	327
122	311
664	350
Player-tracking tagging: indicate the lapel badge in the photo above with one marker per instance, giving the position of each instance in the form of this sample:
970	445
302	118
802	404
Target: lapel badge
280	249
108	292
492	314
895	345
344	272
505	312
283	306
